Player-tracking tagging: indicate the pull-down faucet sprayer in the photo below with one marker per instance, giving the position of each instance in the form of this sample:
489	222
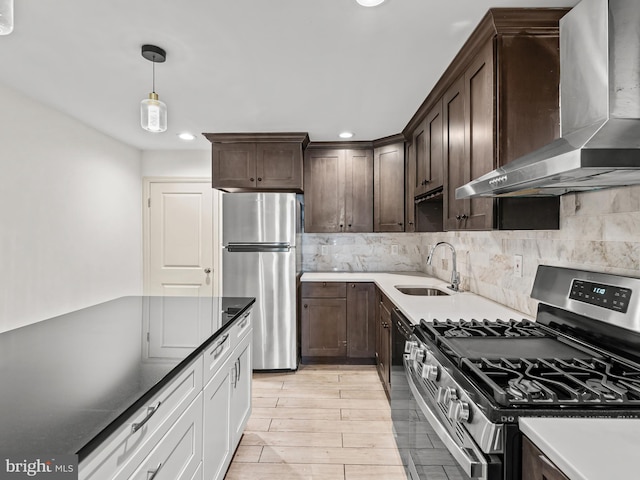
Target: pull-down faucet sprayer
455	276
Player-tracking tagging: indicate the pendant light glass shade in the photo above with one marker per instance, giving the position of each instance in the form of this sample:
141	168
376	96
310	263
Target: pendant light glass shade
153	114
6	17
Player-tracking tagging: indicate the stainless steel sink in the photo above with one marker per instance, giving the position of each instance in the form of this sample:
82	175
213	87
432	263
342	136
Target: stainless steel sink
420	291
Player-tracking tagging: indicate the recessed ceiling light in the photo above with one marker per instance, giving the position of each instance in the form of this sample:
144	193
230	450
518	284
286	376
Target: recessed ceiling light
187	136
346	135
370	3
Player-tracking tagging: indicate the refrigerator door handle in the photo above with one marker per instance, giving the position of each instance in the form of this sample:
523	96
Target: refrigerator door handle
258	247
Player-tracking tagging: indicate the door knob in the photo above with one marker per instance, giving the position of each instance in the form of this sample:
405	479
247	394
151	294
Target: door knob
207	271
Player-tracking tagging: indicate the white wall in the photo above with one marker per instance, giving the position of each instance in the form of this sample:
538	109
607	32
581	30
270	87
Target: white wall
70	214
176	163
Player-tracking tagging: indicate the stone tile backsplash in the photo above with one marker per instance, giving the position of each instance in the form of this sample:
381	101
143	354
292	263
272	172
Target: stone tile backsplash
598	231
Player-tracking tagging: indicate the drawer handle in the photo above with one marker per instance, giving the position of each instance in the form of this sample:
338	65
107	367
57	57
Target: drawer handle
150	411
239	371
244	322
153	473
216	351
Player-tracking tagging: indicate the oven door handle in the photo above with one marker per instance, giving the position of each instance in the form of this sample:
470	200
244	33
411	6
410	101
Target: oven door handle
471	458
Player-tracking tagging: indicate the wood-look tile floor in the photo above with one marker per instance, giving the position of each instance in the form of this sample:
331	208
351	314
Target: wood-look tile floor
321	422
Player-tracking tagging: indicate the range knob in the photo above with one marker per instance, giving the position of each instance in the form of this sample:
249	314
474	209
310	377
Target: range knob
446	395
409	344
431	372
459	411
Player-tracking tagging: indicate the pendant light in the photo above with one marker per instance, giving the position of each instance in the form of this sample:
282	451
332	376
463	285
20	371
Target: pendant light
153	112
6	17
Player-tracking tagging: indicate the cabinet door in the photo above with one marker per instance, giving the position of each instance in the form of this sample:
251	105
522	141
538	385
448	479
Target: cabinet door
388	174
217	431
434	148
279	166
410	182
479	134
361	310
384	355
453	110
241	390
324	179
233	165
359	191
419	141
324	327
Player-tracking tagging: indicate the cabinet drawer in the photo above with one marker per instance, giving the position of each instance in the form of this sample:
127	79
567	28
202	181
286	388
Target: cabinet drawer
122	452
179	453
216	354
241	329
324	289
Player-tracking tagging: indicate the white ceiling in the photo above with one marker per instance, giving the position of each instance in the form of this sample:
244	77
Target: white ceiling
320	66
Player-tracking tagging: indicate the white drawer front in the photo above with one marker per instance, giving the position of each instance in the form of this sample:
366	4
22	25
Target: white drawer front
215	355
123	451
240	329
179	454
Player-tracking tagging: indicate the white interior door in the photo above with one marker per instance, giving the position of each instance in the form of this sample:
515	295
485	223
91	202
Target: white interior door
180	241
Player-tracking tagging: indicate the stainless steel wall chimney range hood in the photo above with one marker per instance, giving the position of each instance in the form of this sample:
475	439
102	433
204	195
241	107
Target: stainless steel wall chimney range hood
599	110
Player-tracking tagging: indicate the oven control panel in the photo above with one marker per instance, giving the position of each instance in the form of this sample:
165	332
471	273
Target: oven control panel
605	296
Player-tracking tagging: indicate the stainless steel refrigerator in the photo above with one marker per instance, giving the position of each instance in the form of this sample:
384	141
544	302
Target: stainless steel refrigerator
260	234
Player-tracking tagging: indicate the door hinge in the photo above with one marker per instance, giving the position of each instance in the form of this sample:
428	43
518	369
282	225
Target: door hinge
149	202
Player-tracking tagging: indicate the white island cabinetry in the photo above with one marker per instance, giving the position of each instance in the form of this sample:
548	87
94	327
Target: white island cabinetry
192	426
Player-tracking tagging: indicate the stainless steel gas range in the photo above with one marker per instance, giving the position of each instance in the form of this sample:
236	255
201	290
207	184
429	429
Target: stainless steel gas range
473	379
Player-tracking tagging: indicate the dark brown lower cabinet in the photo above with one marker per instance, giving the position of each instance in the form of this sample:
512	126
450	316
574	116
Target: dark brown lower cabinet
361	309
337	322
324	327
383	340
536	466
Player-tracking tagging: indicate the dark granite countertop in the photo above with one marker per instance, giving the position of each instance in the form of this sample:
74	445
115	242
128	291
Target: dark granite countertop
66	383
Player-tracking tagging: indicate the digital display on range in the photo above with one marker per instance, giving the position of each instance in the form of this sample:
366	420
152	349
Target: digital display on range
605	296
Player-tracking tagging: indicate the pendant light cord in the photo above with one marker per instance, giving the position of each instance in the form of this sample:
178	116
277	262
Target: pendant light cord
153	74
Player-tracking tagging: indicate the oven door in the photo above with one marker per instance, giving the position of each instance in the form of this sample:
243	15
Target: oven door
468	455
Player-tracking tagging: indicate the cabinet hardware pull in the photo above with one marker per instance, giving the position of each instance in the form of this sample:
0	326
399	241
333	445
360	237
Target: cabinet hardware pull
153	473
251	179
353	285
324	284
259	179
458	217
150	411
464	216
234	376
207	271
244	322
341	225
239	369
410	223
400	223
306	306
216	351
349	225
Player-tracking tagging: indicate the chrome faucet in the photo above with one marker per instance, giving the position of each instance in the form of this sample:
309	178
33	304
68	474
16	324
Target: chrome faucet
455	276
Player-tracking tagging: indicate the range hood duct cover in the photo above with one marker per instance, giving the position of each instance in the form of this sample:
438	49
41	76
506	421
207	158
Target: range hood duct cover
599	110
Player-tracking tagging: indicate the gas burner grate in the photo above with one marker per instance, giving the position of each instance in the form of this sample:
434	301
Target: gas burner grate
577	381
483	328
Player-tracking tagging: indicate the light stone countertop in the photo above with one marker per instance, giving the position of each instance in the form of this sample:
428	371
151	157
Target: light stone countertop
465	305
588	448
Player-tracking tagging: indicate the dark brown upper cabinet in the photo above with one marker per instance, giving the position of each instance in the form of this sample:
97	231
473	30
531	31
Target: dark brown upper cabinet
428	153
257	162
388	190
338	188
497	101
